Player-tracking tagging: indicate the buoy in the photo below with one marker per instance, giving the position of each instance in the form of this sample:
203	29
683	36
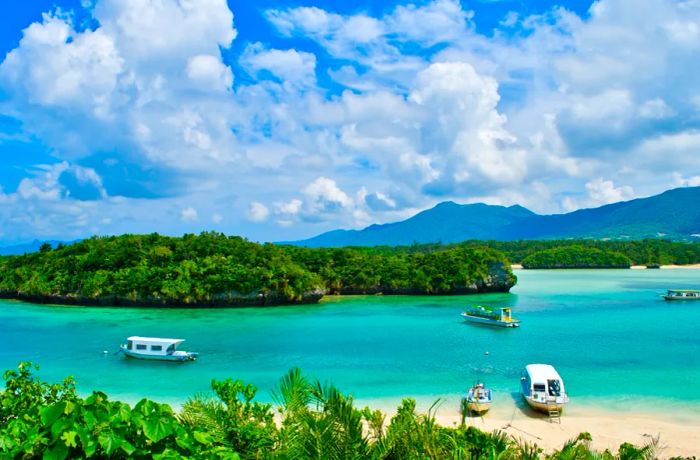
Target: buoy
105	352
486	352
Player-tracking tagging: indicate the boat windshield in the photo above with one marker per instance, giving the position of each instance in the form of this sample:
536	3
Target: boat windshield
554	387
539	387
170	349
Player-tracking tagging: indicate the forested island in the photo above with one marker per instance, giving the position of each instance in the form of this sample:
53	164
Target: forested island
585	253
576	257
212	269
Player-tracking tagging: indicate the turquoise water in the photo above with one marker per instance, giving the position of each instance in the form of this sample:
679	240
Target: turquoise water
609	334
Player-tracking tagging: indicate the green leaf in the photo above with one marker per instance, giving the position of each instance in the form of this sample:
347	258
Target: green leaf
156	428
169	454
203	438
57	452
127	447
109	442
69	438
51	413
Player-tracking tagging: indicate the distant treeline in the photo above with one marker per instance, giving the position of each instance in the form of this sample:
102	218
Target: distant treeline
639	252
212	269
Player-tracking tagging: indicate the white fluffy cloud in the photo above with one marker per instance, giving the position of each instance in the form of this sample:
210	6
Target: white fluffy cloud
290	66
258	212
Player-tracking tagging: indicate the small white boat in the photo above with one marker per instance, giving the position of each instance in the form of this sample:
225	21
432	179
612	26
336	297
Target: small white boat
502	317
479	399
682	294
543	388
156	348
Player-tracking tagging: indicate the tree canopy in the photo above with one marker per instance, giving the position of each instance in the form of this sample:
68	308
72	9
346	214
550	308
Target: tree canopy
212	269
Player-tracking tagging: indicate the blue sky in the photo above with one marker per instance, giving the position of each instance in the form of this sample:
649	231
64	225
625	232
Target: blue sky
281	120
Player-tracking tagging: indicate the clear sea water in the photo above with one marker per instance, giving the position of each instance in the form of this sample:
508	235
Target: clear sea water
615	342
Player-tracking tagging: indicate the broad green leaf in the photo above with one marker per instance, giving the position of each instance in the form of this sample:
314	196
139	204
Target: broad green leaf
157	428
109	442
51	413
58	452
127	447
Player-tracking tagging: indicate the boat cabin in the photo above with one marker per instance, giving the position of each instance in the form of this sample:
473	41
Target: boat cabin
542	383
152	345
156	348
682	294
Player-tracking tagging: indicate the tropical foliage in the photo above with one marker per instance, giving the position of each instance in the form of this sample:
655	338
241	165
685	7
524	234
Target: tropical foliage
639	252
576	257
215	269
311	421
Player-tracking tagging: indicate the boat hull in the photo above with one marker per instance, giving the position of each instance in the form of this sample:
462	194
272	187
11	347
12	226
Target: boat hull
490	322
676	297
478	407
177	358
542	406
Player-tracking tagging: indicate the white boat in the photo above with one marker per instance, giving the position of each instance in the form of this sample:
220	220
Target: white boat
502	317
543	388
156	348
682	294
479	398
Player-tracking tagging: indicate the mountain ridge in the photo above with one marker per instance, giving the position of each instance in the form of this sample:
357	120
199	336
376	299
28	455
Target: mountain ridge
673	214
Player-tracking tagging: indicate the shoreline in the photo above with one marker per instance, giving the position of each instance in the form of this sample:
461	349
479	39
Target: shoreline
608	428
632	267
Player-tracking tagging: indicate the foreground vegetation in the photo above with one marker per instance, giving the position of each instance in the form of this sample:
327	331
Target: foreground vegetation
310	421
213	269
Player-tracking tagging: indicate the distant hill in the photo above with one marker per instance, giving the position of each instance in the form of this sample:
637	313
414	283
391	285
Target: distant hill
674	214
19	249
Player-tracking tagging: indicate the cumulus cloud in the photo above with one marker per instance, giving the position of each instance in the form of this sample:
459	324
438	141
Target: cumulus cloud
258	212
290	66
189	214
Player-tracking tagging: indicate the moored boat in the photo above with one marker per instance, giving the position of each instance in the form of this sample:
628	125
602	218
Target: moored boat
543	388
502	317
682	294
479	398
156	348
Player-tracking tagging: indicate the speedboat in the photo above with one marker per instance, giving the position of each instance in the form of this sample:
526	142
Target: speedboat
156	348
502	317
479	398
543	388
682	294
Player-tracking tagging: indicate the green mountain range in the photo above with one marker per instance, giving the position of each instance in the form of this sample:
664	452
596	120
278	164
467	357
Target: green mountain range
674	214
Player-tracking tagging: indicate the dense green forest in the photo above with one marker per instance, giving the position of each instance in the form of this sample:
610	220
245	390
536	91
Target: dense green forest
639	252
310	420
576	257
213	269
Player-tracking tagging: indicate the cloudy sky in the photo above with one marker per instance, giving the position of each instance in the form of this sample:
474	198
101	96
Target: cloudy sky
281	120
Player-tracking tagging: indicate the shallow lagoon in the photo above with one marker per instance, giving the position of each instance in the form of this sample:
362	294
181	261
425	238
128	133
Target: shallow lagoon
610	335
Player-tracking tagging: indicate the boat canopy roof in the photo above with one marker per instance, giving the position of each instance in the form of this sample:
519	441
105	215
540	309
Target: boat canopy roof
683	290
155	340
542	372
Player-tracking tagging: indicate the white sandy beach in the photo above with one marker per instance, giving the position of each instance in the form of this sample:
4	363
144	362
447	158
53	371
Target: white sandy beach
678	430
608	430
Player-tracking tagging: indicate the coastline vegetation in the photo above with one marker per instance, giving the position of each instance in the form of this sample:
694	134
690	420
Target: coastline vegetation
639	252
309	420
212	269
576	257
